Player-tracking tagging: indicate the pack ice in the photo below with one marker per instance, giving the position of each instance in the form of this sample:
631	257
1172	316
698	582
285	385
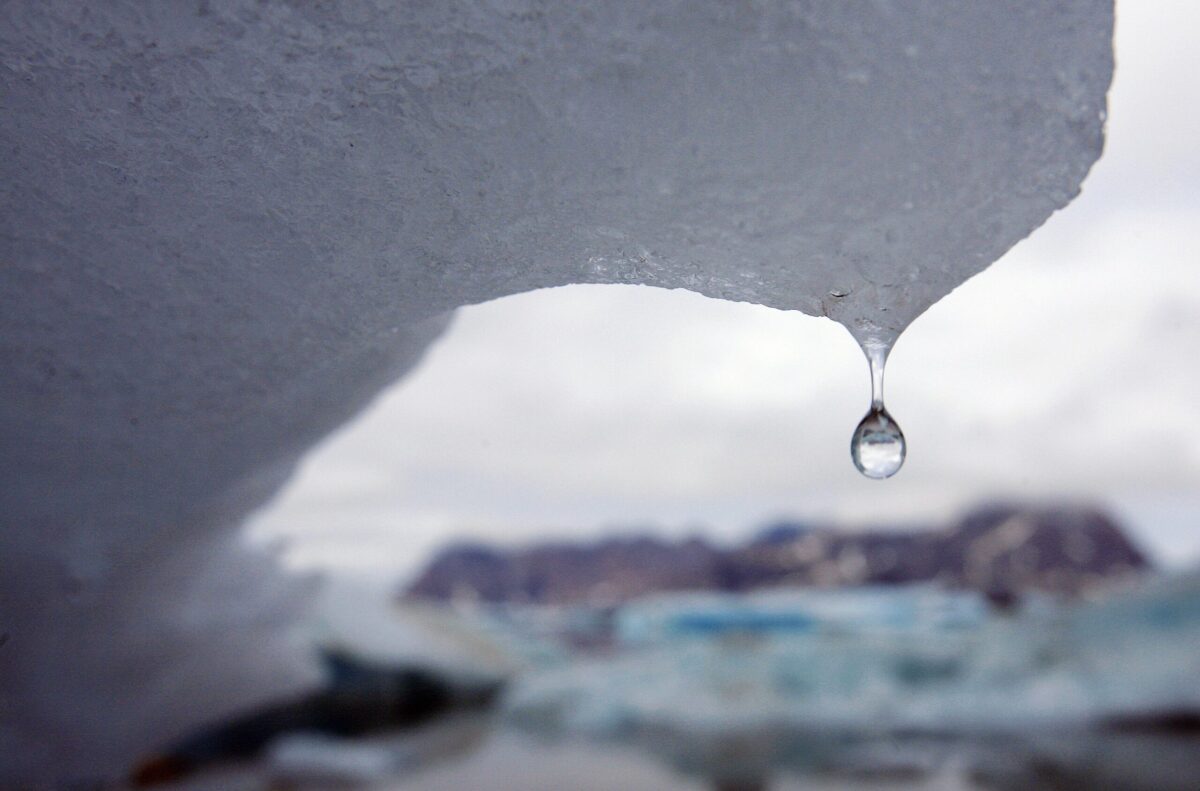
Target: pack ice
227	224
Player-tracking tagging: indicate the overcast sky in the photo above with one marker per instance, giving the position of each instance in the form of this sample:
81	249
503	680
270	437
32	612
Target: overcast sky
1069	369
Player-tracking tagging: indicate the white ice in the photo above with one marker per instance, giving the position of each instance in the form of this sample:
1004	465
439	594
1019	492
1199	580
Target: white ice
227	224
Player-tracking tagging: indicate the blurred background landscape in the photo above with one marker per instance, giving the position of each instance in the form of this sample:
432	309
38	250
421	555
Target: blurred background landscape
1015	646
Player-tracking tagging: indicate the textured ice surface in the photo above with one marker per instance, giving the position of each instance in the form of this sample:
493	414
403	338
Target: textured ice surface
226	224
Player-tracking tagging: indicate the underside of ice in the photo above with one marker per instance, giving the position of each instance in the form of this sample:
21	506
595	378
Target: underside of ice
226	225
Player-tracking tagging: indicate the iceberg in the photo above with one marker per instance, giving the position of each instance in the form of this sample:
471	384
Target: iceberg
1056	696
226	225
881	661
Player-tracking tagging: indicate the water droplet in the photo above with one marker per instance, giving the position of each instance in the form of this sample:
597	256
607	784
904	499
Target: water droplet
877	447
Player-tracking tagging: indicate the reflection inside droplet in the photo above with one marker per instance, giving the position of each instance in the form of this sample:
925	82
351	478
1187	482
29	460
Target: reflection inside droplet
878	446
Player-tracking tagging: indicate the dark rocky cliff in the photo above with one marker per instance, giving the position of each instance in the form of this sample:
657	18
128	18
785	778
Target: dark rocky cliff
1000	549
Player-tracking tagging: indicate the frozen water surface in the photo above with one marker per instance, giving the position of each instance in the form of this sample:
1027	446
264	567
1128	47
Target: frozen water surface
226	225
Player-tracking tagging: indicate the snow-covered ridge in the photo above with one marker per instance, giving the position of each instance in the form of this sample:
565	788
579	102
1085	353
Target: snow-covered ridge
226	225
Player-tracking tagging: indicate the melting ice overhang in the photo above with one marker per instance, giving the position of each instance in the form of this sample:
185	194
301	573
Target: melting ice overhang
226	224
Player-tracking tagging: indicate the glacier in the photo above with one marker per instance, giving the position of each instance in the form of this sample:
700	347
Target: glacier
227	224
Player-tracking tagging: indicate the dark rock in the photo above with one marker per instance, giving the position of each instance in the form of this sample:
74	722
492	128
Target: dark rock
361	697
1000	550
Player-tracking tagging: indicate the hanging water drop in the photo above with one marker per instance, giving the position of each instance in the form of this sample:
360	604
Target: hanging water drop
878	446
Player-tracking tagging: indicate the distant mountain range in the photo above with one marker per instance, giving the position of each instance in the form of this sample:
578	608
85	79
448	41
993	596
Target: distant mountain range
1001	550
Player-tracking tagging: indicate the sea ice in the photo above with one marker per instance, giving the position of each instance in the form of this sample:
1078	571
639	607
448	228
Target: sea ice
879	661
